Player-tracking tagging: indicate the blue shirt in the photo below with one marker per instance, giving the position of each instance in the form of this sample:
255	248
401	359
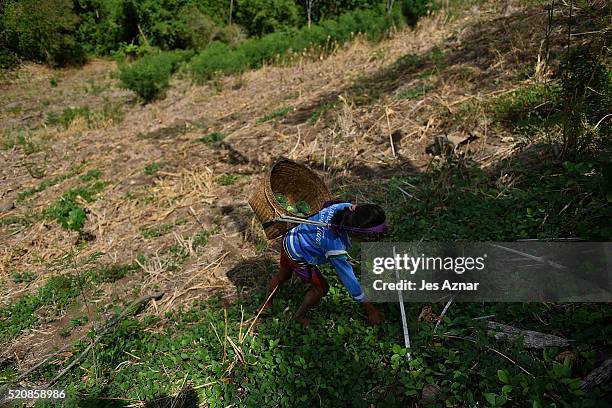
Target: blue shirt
317	245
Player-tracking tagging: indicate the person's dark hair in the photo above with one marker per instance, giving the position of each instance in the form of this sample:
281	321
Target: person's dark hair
364	216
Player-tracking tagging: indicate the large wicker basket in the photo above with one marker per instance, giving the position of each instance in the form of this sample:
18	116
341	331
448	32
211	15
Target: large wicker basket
297	183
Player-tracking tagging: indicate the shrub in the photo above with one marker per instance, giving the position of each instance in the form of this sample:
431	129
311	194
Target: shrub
254	52
231	34
217	58
198	29
149	77
43	31
107	24
8	59
266	16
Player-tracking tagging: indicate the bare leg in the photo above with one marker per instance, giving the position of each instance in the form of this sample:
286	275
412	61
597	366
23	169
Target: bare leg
282	275
311	299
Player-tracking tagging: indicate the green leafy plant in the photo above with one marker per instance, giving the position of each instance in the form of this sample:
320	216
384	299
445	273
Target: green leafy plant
149	77
22	277
278	113
68	212
212	137
227	179
43	31
153	168
68	115
93	174
157	231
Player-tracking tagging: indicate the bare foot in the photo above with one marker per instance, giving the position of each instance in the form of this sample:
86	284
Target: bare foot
303	321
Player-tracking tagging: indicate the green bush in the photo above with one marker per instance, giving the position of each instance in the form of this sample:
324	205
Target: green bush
254	52
43	31
107	24
217	57
149	77
8	59
266	16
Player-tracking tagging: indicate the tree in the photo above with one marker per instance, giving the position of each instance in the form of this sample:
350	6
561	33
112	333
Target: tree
43	31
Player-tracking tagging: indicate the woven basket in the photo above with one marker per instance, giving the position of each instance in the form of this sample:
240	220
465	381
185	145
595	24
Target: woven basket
297	183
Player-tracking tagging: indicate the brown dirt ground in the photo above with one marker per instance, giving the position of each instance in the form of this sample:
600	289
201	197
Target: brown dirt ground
485	50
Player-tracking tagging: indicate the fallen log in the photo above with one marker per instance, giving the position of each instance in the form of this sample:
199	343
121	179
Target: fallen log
598	376
531	339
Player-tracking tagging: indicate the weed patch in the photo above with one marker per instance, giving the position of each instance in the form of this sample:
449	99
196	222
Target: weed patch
68	212
219	58
22	195
22	277
55	296
22	139
321	111
278	113
212	137
93	174
415	92
227	179
157	231
68	115
153	168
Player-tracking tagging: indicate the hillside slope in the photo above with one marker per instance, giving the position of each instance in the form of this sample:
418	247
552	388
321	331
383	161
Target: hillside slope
154	197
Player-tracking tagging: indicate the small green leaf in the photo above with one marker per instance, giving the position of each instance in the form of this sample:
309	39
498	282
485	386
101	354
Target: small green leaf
490	397
503	376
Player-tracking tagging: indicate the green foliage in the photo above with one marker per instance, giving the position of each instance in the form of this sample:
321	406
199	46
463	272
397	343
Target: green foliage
18	316
20	138
68	115
93	174
68	212
278	113
157	231
536	205
280	363
22	277
227	179
54	297
266	16
43	31
8	59
153	168
216	58
254	52
23	220
212	137
42	186
149	77
414	92
321	111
